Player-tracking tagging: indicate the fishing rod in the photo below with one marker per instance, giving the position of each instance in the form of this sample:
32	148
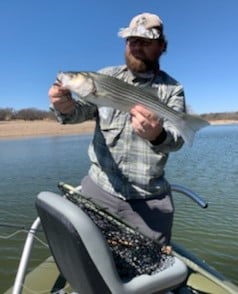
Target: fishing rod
127	243
73	194
14	226
18	227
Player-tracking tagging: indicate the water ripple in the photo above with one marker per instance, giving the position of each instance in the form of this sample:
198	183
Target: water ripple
210	168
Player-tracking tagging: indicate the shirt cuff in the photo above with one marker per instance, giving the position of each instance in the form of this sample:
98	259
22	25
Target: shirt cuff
160	139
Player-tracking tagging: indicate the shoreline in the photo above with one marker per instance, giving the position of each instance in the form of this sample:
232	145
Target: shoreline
223	122
42	128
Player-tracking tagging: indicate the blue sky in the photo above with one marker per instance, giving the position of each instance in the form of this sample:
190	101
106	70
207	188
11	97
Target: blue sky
39	38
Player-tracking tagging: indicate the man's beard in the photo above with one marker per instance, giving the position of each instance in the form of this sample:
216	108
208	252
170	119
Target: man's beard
139	65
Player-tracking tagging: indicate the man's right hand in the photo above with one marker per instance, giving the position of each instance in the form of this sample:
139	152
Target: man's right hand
61	99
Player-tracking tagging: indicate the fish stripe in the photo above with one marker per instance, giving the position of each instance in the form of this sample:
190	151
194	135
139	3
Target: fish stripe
115	93
129	93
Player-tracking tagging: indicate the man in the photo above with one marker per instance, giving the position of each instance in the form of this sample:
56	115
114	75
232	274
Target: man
129	151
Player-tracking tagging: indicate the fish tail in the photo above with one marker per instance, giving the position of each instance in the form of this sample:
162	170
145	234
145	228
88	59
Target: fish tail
188	126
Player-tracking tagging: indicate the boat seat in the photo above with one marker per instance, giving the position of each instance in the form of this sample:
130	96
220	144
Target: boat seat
84	257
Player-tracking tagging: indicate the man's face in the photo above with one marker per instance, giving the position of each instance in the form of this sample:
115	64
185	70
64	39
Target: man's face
142	54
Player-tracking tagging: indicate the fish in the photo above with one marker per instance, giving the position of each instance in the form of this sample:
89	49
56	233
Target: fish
108	91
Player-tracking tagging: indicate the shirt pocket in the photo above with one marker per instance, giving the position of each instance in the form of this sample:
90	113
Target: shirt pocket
112	123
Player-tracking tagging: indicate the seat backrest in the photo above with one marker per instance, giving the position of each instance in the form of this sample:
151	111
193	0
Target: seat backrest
77	245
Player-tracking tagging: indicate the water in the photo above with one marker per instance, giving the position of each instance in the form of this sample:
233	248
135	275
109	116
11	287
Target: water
210	168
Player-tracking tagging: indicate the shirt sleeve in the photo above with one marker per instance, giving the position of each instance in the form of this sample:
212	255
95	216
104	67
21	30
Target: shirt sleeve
83	111
175	98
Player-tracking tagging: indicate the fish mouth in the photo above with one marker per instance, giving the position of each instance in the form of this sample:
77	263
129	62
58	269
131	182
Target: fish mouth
80	84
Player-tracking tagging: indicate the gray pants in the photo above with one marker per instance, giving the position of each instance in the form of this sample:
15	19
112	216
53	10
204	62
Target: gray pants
152	217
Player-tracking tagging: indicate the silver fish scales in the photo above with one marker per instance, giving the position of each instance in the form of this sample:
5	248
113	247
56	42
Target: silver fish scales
104	90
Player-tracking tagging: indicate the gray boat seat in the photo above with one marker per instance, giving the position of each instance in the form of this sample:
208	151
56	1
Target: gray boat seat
84	257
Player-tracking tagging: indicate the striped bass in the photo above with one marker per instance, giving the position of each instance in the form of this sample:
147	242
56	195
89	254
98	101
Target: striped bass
104	90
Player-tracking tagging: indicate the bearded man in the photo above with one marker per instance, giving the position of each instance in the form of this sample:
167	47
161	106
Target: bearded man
129	151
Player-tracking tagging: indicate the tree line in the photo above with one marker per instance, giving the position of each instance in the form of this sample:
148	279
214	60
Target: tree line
220	116
7	114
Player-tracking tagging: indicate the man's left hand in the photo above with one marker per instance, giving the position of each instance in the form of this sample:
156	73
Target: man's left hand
145	122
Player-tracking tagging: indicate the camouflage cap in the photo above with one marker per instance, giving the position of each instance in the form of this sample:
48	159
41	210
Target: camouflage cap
144	26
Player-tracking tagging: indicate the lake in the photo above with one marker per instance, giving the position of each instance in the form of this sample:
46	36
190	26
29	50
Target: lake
209	167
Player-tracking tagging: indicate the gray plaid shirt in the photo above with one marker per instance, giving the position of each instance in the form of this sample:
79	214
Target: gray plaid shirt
124	164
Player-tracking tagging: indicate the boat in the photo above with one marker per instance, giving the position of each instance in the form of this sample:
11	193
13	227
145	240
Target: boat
80	260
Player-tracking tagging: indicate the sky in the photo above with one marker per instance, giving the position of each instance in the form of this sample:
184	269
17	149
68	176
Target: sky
40	38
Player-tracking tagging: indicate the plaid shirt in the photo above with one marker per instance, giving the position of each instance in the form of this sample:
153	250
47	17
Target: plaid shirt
123	163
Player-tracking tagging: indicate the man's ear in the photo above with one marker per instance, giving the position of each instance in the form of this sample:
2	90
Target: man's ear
161	46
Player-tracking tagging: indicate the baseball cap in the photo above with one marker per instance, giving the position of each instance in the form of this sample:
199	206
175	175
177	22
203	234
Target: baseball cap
144	25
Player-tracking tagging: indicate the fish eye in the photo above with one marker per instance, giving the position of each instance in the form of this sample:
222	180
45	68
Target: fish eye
71	75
